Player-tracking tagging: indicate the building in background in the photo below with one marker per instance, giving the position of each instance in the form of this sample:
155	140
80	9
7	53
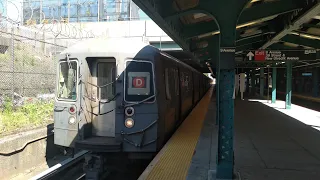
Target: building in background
3	9
48	11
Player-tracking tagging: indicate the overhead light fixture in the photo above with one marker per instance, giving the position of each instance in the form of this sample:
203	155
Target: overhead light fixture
199	15
316	17
251	33
309	36
239	26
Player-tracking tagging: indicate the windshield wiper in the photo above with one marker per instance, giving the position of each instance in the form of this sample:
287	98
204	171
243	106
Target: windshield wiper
136	103
100	86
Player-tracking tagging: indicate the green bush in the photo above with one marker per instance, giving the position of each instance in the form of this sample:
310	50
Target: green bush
25	55
32	114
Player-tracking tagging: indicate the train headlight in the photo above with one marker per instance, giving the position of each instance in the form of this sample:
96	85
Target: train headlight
129	123
129	111
72	120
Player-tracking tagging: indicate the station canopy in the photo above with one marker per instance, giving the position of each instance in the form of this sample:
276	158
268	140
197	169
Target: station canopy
282	25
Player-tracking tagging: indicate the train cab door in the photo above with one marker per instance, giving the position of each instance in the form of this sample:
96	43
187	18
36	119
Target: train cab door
105	75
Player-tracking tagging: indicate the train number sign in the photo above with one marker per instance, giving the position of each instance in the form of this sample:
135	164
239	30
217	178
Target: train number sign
138	82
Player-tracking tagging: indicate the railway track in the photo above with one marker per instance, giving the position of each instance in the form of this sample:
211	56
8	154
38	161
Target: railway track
70	169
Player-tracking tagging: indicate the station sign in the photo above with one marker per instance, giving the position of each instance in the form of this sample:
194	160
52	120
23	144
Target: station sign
282	55
227	56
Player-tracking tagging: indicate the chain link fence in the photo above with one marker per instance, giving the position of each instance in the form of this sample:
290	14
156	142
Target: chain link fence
27	64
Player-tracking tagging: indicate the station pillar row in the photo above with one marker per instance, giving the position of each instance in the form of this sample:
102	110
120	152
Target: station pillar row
288	85
253	82
274	85
248	84
315	79
261	82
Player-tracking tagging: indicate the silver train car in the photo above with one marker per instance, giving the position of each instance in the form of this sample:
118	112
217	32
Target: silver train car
122	96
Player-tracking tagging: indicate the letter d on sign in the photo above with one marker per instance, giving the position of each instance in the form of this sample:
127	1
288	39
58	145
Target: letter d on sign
138	82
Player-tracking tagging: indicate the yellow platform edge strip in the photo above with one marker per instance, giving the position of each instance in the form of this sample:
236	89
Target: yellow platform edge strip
174	159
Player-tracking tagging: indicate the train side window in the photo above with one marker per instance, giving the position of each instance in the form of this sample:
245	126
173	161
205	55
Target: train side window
166	77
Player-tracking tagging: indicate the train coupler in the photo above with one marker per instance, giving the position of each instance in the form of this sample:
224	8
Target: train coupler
94	167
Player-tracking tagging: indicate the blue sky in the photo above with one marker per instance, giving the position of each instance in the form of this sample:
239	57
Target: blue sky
143	15
14	8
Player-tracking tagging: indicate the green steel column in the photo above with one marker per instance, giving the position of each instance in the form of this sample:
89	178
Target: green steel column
217	94
301	85
225	153
227	23
215	44
315	78
274	85
226	115
253	82
247	84
289	85
261	81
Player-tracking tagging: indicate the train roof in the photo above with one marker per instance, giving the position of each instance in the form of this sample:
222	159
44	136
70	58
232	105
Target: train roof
118	46
106	45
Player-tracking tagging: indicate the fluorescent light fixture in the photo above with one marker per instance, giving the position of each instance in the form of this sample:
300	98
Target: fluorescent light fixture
239	26
316	17
309	36
199	15
251	33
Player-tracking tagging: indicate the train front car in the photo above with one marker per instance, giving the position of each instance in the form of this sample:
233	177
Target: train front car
106	99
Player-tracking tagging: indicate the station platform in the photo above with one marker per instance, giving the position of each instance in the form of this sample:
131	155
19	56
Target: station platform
271	143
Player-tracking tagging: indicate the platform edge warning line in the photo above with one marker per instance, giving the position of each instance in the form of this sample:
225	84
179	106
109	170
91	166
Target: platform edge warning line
174	159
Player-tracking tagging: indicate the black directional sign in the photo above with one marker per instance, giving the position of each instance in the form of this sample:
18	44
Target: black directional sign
282	55
227	56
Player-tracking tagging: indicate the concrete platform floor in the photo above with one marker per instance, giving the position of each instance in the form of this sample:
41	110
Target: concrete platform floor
269	145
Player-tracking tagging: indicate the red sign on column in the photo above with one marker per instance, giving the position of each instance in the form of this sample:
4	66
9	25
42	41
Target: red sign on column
260	55
138	82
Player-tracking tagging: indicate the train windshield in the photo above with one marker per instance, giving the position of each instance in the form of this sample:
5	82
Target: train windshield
139	81
67	86
106	77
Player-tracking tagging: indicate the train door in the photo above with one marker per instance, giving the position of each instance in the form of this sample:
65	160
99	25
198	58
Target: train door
104	107
199	85
193	89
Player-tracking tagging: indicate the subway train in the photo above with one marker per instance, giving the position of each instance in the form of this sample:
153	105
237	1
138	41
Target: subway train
123	97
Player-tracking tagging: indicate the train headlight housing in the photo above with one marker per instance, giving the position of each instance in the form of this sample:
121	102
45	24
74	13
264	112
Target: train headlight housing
72	120
129	111
129	123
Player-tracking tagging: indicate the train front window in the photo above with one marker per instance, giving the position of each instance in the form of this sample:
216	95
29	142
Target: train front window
106	77
67	85
139	81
